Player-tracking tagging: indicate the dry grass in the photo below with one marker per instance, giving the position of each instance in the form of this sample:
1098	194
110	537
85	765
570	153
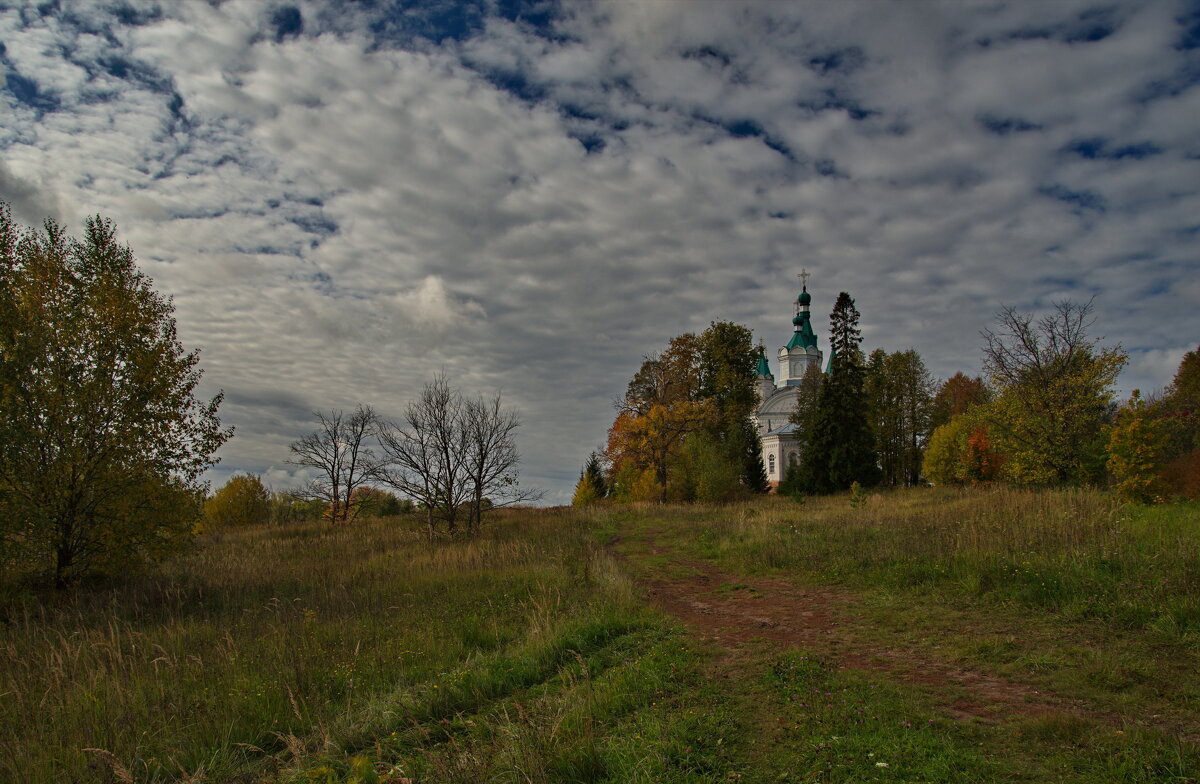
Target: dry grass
267	641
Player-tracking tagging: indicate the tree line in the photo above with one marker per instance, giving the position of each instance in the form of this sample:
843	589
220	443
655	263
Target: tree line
1043	413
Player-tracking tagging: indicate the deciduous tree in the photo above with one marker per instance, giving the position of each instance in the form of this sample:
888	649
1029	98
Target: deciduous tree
340	454
900	394
1135	450
1055	387
492	458
102	439
955	396
243	500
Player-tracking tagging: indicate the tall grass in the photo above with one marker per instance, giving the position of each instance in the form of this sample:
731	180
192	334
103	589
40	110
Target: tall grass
265	643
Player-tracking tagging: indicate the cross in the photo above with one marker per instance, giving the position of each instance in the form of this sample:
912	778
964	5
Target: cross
803	276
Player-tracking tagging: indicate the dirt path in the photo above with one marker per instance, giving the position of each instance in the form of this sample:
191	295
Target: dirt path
740	614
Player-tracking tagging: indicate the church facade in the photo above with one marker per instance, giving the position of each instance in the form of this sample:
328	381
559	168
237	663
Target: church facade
780	445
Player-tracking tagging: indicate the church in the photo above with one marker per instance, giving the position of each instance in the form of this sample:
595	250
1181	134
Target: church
780	447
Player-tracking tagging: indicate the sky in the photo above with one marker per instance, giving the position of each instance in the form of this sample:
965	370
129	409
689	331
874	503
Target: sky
347	198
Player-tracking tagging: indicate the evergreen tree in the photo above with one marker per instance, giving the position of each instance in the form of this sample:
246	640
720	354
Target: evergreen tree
808	392
840	442
591	487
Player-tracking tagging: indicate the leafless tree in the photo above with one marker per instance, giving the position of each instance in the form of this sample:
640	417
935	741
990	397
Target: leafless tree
453	456
340	453
426	454
1024	351
492	458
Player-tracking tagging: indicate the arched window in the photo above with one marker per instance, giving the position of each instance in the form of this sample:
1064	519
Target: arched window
771	464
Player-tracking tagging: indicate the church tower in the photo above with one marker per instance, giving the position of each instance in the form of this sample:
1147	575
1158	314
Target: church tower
801	352
763	377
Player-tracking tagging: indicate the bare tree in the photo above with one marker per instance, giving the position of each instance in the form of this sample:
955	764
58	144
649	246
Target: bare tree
426	454
453	456
492	458
342	457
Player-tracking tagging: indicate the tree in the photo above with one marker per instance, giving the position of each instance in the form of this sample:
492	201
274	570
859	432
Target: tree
102	439
339	452
452	456
650	442
1135	450
591	486
667	378
727	361
426	453
1055	394
900	394
701	392
492	458
243	500
1179	411
803	415
955	396
840	442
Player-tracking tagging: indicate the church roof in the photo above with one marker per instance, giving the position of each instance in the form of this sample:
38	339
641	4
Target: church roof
784	430
763	368
803	337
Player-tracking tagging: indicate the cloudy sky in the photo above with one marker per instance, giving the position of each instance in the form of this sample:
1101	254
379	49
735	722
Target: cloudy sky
345	198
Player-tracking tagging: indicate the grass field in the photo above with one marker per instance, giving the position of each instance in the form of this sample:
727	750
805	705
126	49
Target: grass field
988	635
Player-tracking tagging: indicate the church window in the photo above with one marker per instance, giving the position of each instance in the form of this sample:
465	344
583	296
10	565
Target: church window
771	464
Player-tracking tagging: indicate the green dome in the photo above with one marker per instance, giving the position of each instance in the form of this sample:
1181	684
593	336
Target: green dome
797	320
804	298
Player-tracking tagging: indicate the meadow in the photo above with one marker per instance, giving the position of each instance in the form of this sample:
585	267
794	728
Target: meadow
973	635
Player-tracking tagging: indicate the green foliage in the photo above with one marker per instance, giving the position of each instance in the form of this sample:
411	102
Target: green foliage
1135	449
591	487
102	441
1055	398
711	476
840	442
1179	413
899	390
373	502
792	484
961	451
288	508
858	496
699	385
727	364
244	500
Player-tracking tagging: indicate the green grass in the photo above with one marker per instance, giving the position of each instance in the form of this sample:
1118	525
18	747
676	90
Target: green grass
312	654
265	645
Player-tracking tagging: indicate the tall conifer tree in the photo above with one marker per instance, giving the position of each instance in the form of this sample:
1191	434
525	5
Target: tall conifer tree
840	441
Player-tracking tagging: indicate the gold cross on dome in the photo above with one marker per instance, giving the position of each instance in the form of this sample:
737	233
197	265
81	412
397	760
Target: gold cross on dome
803	276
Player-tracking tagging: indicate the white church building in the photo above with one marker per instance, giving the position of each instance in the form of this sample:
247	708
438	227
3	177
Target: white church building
780	447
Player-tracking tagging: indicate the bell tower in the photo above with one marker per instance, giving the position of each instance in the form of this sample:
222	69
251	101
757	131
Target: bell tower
801	352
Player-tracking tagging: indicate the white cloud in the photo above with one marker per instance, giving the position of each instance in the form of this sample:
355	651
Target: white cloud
340	216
